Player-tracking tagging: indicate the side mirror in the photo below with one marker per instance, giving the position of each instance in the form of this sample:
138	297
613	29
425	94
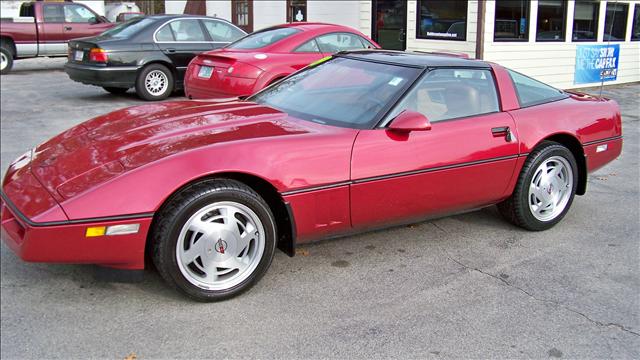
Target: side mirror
94	20
408	121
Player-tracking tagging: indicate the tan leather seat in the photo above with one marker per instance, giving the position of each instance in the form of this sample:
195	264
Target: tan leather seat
462	100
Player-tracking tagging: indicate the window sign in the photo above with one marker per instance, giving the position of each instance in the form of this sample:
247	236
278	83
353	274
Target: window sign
596	63
445	20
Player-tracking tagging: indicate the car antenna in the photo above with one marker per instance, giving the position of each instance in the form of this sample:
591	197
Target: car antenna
613	20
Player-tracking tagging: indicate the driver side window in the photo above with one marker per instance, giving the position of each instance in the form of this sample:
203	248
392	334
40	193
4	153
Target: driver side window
77	14
444	94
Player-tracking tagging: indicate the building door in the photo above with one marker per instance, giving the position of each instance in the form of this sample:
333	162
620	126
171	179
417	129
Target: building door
242	14
389	23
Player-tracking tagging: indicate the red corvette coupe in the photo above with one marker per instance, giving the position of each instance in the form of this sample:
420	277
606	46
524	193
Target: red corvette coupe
266	56
364	140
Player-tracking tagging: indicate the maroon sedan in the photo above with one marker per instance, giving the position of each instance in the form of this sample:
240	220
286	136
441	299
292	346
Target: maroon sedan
266	56
364	140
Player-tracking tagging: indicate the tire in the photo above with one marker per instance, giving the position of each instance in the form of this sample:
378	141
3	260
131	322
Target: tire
197	244
6	59
537	203
115	90
148	89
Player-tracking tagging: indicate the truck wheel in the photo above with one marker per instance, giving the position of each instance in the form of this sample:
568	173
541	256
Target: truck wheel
115	90
6	60
155	82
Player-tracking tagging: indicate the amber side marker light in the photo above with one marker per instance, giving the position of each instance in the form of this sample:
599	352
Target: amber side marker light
124	229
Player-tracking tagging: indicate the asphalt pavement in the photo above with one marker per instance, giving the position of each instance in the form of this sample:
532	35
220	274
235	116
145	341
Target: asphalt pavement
468	286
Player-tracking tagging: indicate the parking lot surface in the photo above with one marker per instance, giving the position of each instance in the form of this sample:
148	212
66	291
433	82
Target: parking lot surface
468	286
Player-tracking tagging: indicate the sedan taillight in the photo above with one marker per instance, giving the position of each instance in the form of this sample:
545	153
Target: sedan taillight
98	55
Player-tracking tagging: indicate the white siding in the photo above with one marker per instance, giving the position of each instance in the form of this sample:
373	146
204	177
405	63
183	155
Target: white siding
467	47
269	13
174	6
335	12
219	8
365	17
554	62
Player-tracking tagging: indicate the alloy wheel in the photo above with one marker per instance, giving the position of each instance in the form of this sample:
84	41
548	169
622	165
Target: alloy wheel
220	245
550	188
156	82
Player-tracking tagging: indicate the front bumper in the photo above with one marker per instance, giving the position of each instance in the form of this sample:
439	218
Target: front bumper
65	241
107	76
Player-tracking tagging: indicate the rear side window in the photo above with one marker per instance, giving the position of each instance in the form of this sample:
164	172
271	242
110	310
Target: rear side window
222	32
165	34
77	14
444	94
310	46
333	43
53	14
532	92
187	30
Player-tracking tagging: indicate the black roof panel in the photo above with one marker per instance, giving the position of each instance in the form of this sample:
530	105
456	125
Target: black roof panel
424	60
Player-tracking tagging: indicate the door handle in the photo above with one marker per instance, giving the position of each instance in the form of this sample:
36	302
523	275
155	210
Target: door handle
68	28
171	50
502	131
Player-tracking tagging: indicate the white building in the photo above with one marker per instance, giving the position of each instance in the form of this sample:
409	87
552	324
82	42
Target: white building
545	39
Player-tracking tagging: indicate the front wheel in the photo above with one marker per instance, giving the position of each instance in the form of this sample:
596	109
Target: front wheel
155	82
545	189
214	240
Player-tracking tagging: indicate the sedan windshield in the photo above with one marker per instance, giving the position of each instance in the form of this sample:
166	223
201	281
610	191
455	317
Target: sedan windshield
128	28
263	38
341	92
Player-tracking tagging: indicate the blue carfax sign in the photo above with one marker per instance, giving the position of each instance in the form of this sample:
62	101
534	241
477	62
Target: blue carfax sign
596	63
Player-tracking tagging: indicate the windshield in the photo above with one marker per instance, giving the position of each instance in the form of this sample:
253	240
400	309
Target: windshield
128	28
261	39
341	92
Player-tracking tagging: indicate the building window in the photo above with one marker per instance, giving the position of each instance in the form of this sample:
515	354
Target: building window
615	23
444	20
242	14
296	10
511	20
552	16
585	20
635	29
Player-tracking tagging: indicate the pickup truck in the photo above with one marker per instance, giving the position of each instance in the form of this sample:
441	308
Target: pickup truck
44	28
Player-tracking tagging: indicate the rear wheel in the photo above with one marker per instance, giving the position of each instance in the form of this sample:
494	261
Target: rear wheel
115	90
214	240
155	82
6	59
545	189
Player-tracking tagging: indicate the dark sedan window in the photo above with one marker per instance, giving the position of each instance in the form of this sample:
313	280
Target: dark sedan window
221	31
340	92
127	29
444	94
260	39
187	30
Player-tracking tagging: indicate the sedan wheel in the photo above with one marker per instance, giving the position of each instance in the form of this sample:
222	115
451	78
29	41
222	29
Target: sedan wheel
545	189
155	82
214	239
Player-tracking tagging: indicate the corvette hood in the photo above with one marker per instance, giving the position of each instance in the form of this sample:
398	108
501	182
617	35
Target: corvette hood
100	149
